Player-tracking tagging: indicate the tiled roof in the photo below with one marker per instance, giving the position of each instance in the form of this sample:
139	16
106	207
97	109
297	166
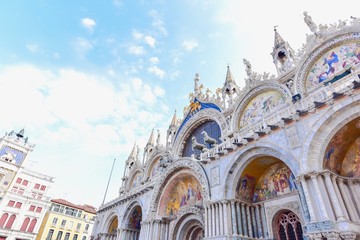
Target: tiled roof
85	207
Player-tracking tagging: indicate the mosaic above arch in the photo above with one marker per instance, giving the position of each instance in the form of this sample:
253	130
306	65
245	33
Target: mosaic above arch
342	155
334	64
330	62
184	191
195	107
135	218
261	105
265	178
136	180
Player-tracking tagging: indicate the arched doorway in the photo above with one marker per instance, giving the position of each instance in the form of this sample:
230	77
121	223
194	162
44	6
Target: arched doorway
133	223
189	227
287	226
112	229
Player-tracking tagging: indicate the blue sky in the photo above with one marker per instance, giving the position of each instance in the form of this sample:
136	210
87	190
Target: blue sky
88	79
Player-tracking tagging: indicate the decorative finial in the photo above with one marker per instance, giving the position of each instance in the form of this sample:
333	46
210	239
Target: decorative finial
275	27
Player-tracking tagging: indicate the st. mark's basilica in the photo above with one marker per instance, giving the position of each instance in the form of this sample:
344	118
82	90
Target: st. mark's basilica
276	159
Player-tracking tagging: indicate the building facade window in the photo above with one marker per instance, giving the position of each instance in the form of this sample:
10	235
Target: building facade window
18	205
59	235
10	221
55	219
32	208
3	219
43	187
32	225
50	234
75	237
39	209
37	186
78	226
18	180
25	224
63	223
11	203
67	236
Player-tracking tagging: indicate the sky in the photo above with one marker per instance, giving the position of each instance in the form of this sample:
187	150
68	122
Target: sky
89	79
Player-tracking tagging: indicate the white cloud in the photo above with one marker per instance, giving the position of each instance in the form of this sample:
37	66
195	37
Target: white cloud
136	50
82	45
137	35
157	22
150	41
157	71
117	3
154	60
88	23
189	45
32	47
73	115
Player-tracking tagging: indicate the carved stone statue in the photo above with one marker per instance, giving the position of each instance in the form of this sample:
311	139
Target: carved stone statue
308	20
247	67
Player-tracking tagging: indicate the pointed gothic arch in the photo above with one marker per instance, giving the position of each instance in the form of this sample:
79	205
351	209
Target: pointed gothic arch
287	226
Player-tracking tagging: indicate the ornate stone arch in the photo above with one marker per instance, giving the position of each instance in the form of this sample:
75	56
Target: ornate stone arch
306	65
128	210
151	163
186	163
193	213
273	212
199	118
324	129
132	176
244	157
107	220
243	103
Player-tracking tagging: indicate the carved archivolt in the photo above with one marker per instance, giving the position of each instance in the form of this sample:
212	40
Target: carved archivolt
194	169
252	94
128	210
301	77
193	213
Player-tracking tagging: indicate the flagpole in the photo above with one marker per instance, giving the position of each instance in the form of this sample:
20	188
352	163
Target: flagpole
108	181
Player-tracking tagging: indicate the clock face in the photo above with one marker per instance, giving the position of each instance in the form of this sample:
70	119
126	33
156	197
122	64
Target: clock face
11	155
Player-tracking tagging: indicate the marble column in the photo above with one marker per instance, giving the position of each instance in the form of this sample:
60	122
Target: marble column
319	197
258	220
307	198
244	219
340	197
248	213
348	203
356	197
221	211
233	219
213	220
206	222
334	200
264	223
217	219
226	218
238	217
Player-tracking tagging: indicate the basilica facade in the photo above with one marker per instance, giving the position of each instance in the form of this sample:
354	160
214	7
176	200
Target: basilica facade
276	159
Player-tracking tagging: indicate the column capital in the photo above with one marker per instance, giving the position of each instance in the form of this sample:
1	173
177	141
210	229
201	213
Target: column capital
332	235
348	235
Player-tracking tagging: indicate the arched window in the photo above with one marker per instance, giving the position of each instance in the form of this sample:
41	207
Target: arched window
10	221
32	225
3	219
288	227
25	224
